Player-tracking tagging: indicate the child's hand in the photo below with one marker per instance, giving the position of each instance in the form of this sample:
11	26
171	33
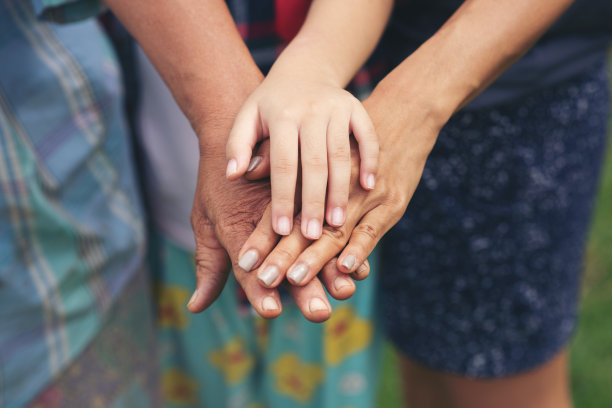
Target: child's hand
314	119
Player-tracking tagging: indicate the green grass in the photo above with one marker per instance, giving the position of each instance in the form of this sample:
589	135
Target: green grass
591	348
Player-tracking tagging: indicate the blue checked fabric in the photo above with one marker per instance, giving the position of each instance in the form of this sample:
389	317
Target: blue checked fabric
71	225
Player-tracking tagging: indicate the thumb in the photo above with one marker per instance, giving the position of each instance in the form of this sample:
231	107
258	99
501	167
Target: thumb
259	167
212	265
242	139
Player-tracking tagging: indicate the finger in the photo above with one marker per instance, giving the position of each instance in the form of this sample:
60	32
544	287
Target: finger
259	244
212	266
259	167
338	285
245	133
339	162
365	134
364	238
362	272
266	302
314	175
283	174
312	259
274	268
312	301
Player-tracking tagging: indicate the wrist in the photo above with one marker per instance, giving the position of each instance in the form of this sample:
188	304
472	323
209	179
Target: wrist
212	112
303	60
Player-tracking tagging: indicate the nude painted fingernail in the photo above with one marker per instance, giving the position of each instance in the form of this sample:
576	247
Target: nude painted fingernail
269	303
371	182
268	275
232	167
253	163
313	230
298	273
248	260
283	226
349	262
316	304
341	282
194	298
338	216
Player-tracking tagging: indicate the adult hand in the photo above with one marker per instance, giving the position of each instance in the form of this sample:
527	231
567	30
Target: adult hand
224	214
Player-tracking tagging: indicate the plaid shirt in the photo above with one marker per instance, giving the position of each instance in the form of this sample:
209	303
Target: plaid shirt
71	228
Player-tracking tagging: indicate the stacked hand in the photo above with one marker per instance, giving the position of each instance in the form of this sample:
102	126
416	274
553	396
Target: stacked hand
226	213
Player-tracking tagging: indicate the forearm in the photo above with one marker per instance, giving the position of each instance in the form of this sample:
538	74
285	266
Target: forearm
481	40
195	46
336	39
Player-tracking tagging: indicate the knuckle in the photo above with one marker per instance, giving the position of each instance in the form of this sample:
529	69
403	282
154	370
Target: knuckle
396	199
340	153
315	161
282	204
284	166
286	114
368	230
336	236
198	220
282	257
313	203
316	108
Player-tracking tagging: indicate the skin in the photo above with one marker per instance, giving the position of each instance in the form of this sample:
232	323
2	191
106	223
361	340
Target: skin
544	386
181	39
408	109
304	110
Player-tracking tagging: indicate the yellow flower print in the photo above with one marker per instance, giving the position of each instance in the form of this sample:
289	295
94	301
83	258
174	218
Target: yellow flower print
296	379
179	388
233	360
345	334
171	309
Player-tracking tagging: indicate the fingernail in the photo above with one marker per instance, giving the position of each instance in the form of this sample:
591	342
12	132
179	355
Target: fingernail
268	275
313	230
337	216
341	282
371	182
194	298
297	273
248	260
316	304
363	268
253	163
232	167
349	262
283	226
269	303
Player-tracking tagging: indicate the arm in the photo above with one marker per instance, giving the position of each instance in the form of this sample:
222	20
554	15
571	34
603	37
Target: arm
335	40
196	48
410	106
302	107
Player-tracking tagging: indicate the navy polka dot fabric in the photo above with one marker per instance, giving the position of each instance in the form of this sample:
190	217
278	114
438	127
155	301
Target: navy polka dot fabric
481	275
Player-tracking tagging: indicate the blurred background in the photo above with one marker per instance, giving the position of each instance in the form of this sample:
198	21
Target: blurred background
591	348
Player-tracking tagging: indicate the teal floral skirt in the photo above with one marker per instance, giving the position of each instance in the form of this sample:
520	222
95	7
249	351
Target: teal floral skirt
228	356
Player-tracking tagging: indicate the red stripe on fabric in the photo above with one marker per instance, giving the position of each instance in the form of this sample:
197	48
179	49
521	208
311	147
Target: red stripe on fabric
290	15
